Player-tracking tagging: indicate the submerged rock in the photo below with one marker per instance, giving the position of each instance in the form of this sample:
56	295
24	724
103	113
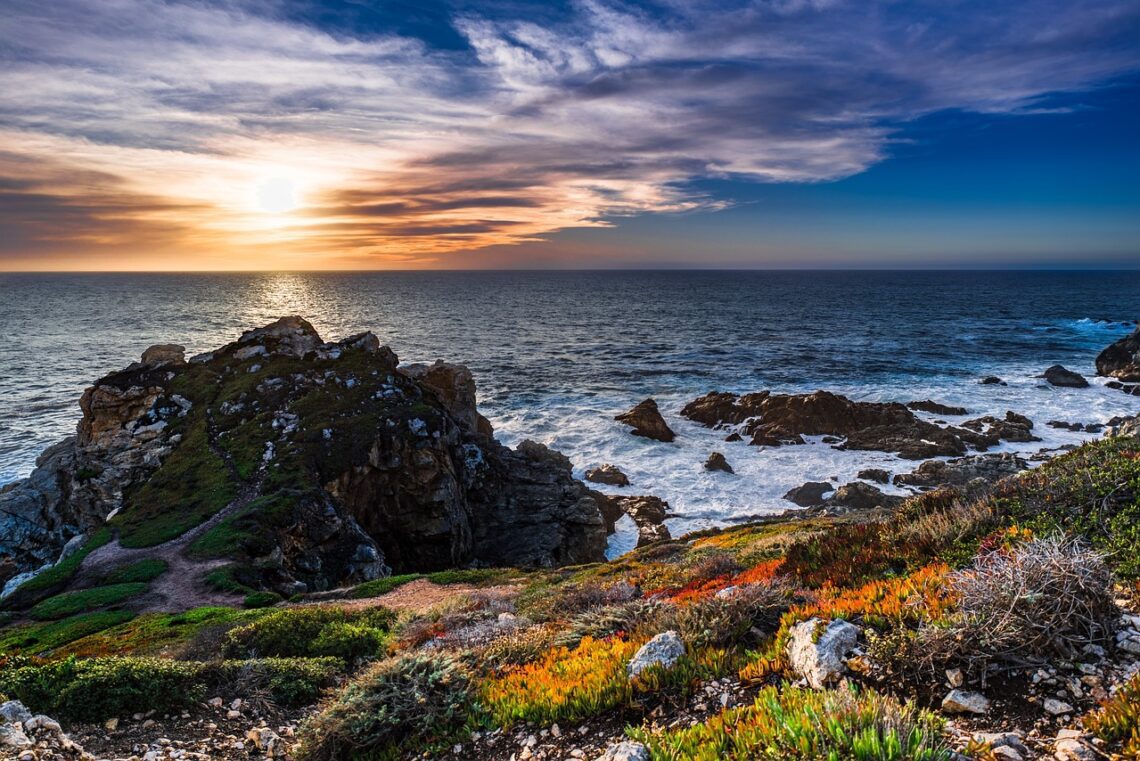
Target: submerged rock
1060	376
1121	359
610	475
647	421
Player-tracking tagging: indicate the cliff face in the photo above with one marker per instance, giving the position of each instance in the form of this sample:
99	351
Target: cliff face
307	464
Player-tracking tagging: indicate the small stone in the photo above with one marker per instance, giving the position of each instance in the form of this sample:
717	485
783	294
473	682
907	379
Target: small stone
955	677
216	702
625	751
232	714
1070	745
111	725
149	723
1056	707
664	650
965	701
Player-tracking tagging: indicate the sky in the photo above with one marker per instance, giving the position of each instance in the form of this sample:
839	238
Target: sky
344	134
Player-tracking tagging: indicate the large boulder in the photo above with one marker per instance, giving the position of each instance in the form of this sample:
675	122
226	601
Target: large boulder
1121	360
1058	375
647	421
820	657
809	493
861	496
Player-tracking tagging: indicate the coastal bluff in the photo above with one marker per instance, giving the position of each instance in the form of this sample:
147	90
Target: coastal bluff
284	463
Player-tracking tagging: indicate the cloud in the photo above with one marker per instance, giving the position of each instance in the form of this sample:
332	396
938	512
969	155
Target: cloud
139	124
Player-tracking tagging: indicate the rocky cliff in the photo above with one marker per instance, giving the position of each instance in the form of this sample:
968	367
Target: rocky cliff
303	464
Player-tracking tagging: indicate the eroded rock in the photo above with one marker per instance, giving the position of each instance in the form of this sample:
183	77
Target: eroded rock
646	420
664	650
610	475
1121	359
716	461
1058	375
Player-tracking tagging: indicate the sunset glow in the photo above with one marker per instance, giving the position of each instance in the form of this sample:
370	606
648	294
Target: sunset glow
245	135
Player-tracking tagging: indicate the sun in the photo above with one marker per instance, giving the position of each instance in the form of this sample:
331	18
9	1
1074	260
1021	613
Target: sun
276	195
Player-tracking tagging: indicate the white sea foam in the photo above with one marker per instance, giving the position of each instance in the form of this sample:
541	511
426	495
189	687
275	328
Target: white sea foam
585	431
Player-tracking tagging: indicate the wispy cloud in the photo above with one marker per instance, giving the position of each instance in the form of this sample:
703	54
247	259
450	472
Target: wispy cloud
146	126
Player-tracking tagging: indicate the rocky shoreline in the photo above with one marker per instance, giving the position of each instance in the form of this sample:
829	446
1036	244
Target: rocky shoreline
245	551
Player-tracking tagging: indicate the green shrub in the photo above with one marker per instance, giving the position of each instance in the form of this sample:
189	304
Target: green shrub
147	569
803	724
94	689
287	681
80	601
396	708
313	632
97	688
1117	721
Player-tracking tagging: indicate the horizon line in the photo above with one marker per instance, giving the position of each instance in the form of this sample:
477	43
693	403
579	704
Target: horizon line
1059	268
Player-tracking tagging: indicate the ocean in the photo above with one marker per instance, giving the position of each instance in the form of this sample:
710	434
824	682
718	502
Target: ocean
557	354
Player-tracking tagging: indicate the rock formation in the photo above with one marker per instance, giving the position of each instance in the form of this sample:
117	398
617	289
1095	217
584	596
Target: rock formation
1121	360
780	419
1063	377
647	421
927	405
716	461
322	463
970	472
611	475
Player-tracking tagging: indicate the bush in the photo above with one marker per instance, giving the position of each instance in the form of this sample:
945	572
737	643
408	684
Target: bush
97	688
94	689
564	685
802	724
83	600
1042	598
313	632
285	681
394	709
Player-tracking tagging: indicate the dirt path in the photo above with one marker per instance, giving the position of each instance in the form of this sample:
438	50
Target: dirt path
182	586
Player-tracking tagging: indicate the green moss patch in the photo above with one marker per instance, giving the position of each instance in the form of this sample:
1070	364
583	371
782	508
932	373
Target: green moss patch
147	569
60	573
83	600
43	637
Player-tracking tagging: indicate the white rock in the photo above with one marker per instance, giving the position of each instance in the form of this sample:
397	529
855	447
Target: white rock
12	736
625	751
663	650
1070	746
43	723
14	712
1007	753
965	701
821	661
1056	707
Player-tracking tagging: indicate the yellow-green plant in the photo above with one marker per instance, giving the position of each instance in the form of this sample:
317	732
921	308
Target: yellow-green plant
802	724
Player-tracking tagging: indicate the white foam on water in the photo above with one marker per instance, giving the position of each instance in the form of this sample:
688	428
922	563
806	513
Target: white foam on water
585	431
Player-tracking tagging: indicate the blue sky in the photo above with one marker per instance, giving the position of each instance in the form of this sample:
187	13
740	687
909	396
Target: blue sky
139	134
